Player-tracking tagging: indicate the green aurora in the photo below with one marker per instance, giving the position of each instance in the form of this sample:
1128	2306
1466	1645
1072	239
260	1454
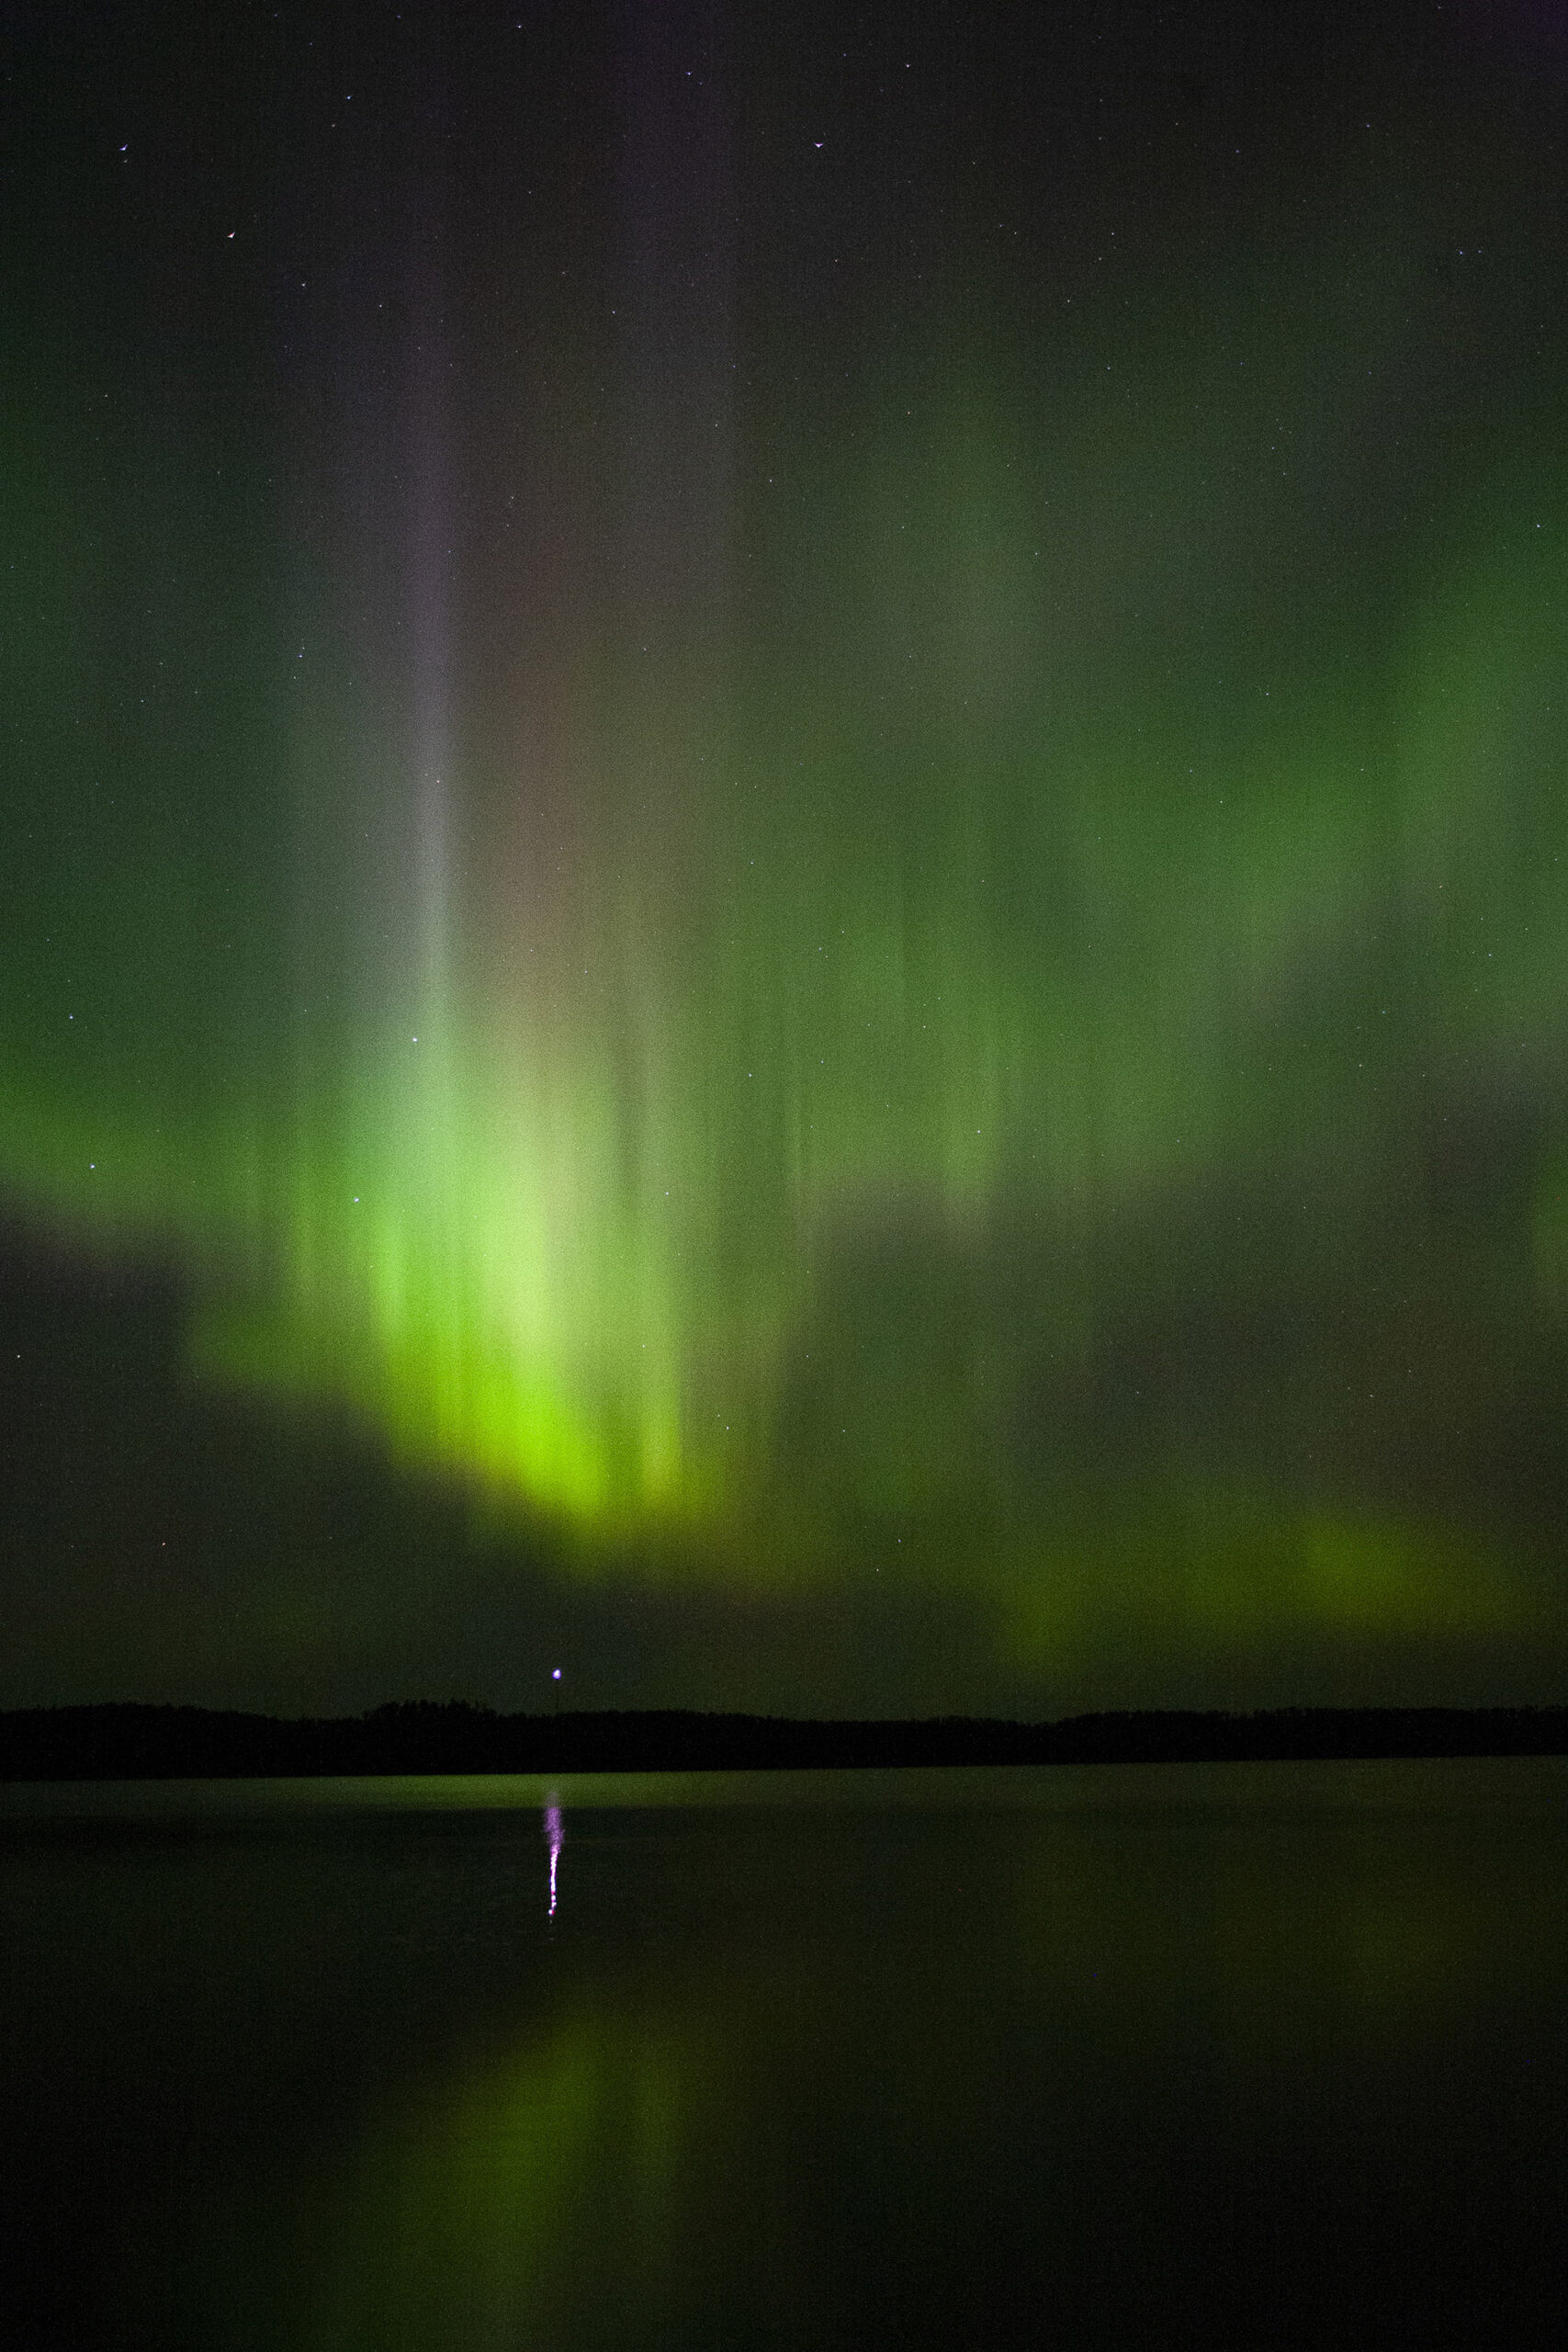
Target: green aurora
795	930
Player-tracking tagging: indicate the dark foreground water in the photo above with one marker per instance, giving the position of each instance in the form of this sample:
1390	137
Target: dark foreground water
1122	2055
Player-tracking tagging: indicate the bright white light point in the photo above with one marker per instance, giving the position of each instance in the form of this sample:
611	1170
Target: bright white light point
555	1674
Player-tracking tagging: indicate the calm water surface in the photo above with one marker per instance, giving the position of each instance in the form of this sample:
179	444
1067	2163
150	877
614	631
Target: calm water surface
1117	2055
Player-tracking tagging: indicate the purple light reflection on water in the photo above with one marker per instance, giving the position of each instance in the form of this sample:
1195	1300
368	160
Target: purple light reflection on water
556	1833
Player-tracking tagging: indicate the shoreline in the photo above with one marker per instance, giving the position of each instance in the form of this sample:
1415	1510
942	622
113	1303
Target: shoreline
133	1741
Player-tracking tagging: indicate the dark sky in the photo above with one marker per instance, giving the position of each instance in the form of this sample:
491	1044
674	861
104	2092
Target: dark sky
784	900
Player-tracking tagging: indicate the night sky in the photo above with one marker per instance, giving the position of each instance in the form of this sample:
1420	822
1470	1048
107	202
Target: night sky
784	891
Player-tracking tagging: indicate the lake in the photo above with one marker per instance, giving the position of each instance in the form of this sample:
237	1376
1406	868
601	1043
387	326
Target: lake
1108	2054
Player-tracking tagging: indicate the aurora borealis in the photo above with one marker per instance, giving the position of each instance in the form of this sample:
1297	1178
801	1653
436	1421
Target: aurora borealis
785	820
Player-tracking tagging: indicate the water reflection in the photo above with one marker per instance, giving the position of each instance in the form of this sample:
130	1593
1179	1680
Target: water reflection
555	1834
519	2205
1135	2055
915	2078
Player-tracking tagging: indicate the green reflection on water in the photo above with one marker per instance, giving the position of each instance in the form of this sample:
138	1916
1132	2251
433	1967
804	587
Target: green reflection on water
464	2216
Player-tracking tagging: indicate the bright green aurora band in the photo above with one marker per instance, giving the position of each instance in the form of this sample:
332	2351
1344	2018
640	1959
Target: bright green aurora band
969	990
